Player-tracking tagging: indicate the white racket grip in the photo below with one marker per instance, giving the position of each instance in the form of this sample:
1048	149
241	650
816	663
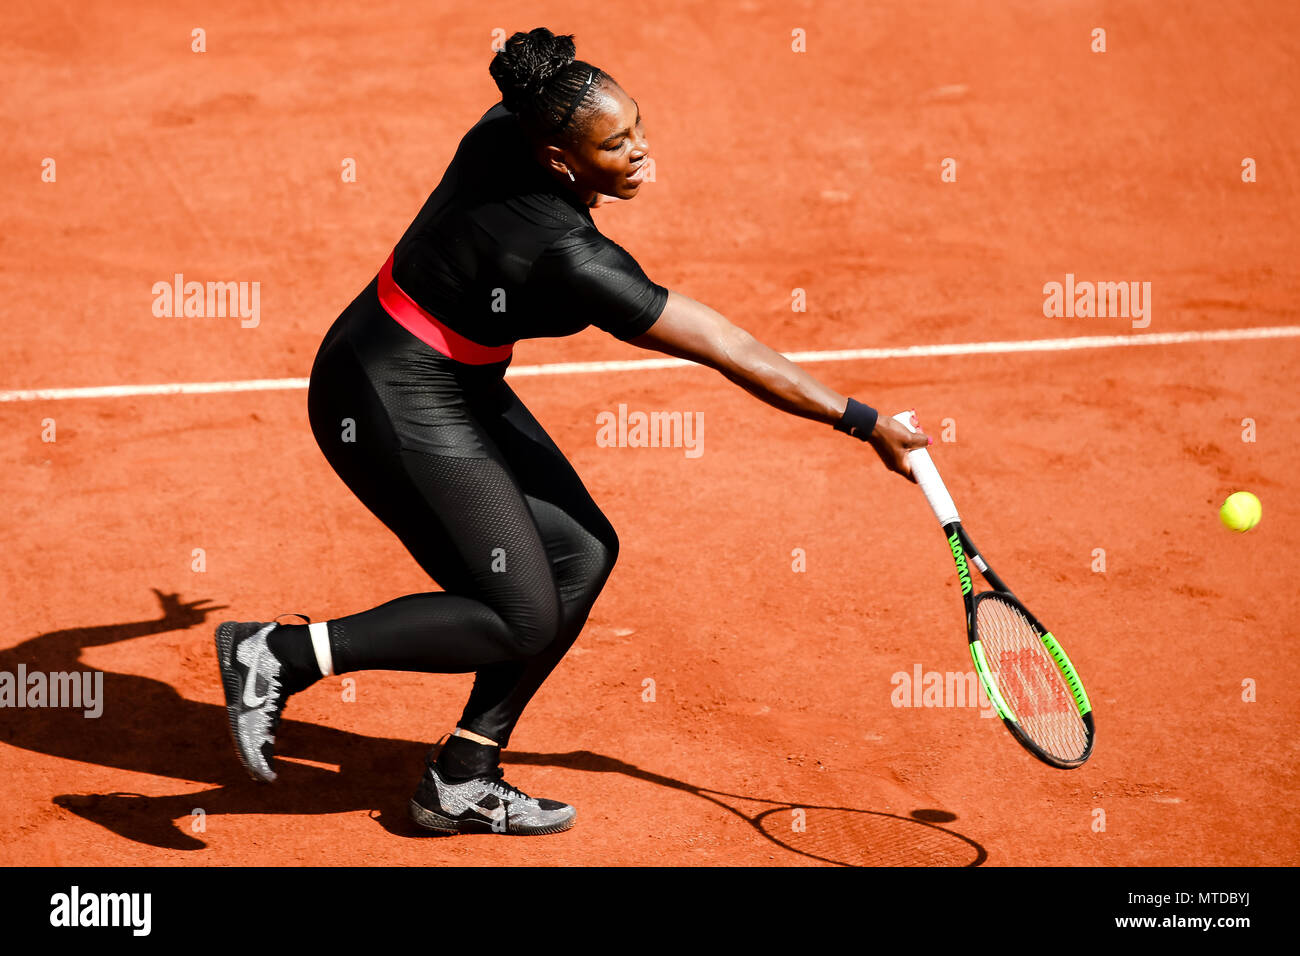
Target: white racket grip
927	476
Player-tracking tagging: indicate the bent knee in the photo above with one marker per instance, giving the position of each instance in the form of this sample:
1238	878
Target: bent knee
611	548
535	625
605	549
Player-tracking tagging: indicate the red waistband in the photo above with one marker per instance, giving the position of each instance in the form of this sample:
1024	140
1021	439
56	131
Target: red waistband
429	330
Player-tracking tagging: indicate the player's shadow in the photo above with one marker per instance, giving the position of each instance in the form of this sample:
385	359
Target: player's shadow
147	727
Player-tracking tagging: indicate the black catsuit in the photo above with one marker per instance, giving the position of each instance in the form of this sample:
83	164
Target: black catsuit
447	456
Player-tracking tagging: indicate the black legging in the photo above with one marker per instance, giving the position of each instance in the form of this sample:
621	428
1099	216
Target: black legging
448	457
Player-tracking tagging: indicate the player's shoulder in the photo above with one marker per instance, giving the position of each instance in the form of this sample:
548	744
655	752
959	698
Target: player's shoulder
580	252
578	238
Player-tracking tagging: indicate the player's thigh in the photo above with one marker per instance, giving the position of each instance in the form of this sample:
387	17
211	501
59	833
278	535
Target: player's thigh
415	454
580	539
354	433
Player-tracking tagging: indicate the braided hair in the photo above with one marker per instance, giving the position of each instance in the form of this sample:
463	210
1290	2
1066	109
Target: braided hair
543	84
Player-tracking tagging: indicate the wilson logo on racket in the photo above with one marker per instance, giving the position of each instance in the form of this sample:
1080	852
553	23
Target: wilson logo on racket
959	556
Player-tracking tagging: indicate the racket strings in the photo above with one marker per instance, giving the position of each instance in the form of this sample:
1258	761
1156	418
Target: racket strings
1029	679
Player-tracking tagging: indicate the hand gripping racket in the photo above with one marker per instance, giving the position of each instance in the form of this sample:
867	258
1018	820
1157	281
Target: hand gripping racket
1023	668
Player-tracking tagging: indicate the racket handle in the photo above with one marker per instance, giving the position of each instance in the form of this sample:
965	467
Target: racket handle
927	476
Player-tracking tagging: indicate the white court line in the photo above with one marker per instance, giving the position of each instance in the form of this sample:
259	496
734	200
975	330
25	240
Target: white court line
636	365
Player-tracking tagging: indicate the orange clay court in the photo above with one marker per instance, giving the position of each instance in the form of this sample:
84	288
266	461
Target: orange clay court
776	170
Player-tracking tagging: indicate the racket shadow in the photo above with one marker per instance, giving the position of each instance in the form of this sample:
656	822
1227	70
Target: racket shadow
840	836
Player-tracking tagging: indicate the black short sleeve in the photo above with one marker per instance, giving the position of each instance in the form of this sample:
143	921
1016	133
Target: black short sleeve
585	278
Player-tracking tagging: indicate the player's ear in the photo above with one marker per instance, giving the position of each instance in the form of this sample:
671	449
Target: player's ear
555	161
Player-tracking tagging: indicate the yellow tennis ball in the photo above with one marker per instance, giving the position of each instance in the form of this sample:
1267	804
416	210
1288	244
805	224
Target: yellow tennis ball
1241	511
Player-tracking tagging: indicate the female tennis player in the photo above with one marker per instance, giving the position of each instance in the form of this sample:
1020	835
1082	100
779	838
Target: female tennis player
409	404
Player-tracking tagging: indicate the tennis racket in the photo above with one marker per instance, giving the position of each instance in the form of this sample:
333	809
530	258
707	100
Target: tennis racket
1023	667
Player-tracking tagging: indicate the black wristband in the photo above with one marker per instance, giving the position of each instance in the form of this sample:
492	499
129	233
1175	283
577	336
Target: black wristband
858	420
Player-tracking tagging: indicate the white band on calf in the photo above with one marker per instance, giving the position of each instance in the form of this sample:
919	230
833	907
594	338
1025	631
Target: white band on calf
320	643
470	735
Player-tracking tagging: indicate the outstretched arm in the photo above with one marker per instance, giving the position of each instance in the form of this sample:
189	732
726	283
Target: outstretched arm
691	330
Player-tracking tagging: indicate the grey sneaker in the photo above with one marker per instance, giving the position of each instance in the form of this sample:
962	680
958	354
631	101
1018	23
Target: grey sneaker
255	698
485	804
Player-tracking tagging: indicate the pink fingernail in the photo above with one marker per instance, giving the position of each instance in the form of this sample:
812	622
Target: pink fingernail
929	441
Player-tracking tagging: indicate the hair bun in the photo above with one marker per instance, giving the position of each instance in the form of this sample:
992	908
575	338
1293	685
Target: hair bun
528	62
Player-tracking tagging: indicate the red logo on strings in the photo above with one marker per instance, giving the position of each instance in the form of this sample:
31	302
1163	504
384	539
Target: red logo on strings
1032	682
